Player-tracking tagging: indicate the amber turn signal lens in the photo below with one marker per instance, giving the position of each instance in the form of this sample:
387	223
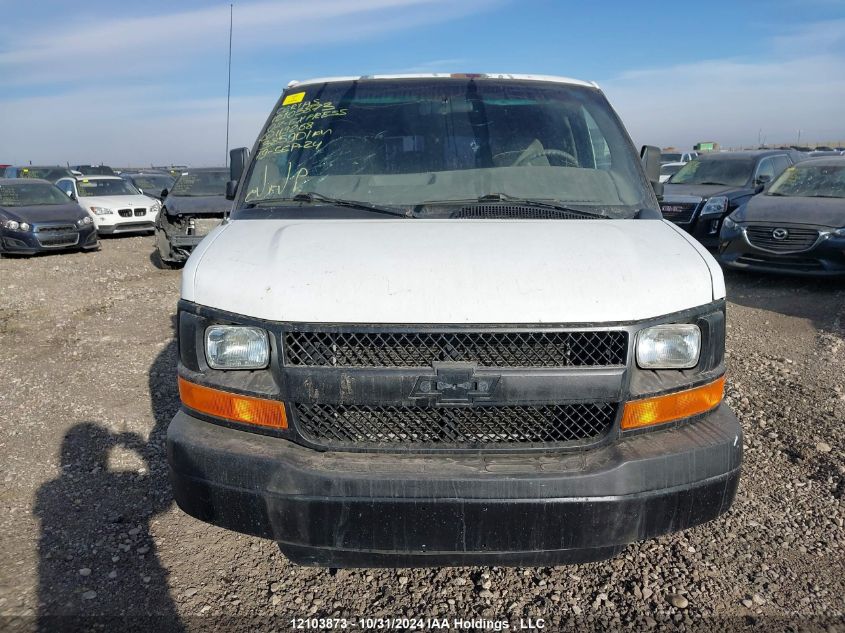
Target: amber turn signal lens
233	406
673	406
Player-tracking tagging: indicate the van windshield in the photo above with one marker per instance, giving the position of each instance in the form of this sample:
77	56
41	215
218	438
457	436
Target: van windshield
406	142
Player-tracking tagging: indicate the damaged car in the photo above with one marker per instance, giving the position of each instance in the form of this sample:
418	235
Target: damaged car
194	206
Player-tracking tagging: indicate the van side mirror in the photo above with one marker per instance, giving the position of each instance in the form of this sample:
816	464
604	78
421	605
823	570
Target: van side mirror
231	189
238	158
650	157
164	193
71	195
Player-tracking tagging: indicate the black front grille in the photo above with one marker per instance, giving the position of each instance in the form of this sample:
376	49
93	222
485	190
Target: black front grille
58	239
359	426
515	212
487	349
678	212
125	213
140	212
791	239
55	228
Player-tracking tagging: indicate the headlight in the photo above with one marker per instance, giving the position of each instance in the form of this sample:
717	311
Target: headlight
84	221
11	225
102	211
729	224
236	347
716	204
839	232
25	226
674	346
156	207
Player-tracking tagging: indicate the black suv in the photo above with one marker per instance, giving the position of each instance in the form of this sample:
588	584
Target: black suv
706	190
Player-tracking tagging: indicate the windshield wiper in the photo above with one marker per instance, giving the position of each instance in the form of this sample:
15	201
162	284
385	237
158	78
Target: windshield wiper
310	197
503	197
709	182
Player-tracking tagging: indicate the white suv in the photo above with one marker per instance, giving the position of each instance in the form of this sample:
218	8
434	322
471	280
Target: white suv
447	324
115	204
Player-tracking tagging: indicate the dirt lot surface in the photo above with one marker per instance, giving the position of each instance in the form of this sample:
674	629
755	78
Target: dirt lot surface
91	539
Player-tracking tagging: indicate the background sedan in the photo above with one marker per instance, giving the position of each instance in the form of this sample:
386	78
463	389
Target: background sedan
35	216
115	205
796	227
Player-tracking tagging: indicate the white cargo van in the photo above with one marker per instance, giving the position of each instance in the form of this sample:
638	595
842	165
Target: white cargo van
447	324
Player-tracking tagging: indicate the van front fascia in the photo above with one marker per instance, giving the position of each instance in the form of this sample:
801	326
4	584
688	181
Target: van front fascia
318	388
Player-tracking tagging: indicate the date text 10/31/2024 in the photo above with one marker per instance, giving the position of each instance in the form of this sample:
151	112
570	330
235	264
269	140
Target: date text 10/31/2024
417	624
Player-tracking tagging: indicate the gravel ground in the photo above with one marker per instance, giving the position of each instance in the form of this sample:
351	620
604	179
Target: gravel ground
89	528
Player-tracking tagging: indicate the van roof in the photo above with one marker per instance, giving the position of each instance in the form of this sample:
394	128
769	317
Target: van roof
550	78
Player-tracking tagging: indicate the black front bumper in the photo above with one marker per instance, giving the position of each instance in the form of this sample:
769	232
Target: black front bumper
825	259
28	242
357	509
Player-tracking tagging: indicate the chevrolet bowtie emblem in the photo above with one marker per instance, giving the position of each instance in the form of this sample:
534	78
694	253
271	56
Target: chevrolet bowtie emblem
454	384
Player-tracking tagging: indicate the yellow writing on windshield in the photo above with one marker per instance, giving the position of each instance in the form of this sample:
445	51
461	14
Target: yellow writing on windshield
300	126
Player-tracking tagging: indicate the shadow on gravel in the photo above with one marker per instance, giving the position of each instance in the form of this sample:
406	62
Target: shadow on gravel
816	299
98	566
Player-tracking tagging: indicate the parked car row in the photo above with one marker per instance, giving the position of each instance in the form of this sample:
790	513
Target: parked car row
180	210
724	199
768	210
705	190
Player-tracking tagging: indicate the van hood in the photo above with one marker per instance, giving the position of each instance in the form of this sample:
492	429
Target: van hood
450	271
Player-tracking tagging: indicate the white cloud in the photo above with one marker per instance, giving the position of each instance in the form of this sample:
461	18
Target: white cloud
118	85
128	46
785	89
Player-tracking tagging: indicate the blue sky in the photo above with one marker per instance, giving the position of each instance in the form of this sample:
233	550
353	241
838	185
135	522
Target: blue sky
135	83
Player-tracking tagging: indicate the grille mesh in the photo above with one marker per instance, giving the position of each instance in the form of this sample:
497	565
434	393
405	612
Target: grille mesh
515	212
58	239
487	349
797	239
680	212
358	426
55	228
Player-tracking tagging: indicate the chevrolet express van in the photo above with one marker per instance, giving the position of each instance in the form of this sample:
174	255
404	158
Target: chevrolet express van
446	324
